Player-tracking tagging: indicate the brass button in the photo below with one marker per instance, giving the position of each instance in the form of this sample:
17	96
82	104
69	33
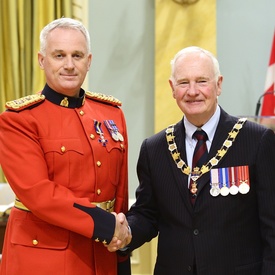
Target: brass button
104	242
63	149
81	112
92	136
121	146
35	242
98	191
97	240
98	163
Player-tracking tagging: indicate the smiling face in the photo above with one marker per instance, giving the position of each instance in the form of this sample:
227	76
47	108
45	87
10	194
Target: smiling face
195	87
66	61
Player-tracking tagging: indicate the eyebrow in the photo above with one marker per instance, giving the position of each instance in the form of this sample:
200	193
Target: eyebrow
62	51
196	78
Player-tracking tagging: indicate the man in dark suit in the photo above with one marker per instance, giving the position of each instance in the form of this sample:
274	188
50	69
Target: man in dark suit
212	219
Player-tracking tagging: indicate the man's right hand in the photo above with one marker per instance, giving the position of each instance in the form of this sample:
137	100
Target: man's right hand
122	235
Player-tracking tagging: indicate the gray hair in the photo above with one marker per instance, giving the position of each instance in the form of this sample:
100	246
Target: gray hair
193	49
66	23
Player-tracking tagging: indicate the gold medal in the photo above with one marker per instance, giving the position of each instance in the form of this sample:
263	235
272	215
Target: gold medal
193	188
194	176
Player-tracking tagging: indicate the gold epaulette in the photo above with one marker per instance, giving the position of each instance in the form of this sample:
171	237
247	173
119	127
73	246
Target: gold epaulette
104	98
24	102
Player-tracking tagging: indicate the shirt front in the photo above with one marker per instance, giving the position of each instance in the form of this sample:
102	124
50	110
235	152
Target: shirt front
209	127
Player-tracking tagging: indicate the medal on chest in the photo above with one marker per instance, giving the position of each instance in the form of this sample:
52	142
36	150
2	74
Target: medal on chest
198	172
229	180
102	139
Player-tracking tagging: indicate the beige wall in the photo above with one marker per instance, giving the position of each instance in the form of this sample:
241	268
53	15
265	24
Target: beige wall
178	26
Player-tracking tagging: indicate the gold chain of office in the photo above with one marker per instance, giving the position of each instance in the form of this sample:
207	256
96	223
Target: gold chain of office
172	147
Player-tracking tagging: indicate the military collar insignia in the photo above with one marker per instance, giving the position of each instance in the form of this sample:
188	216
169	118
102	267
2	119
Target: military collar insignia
103	98
62	100
24	102
172	147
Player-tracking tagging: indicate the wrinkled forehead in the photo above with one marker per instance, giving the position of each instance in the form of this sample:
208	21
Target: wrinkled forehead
66	38
194	57
194	63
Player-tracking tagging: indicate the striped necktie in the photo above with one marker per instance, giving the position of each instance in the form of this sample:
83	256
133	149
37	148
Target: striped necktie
199	156
200	152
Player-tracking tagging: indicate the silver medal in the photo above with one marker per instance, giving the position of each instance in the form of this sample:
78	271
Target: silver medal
214	191
233	189
224	191
244	188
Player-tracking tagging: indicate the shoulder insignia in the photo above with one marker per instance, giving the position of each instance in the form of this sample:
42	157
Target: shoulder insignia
104	98
24	102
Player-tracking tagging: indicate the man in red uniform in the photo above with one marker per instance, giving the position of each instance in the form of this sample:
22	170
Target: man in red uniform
64	153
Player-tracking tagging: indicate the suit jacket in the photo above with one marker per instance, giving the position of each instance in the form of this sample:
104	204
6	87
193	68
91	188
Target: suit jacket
57	165
226	235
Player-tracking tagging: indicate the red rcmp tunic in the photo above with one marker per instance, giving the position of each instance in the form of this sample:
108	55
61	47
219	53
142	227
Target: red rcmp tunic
57	165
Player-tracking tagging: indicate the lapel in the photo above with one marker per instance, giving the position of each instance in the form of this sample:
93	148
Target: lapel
180	178
225	125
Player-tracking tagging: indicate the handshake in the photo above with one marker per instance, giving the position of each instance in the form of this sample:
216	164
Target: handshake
122	235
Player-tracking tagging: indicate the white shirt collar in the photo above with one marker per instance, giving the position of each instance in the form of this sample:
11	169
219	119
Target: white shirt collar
209	127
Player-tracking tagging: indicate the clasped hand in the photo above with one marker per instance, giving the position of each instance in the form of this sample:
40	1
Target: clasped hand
122	235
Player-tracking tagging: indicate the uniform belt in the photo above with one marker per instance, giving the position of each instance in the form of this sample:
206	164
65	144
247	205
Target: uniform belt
105	205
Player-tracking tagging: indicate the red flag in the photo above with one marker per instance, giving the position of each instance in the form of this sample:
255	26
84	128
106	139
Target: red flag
268	106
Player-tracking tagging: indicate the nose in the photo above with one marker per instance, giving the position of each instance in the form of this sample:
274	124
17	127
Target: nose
192	89
69	63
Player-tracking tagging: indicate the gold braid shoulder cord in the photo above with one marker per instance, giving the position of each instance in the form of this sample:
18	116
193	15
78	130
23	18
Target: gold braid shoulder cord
197	173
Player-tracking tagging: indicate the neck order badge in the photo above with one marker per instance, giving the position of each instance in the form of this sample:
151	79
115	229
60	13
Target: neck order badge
198	172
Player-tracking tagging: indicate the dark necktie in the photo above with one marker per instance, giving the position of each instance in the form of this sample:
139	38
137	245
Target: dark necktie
200	154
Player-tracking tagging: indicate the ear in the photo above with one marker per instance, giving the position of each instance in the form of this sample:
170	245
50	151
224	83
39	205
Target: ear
41	60
90	57
172	87
219	85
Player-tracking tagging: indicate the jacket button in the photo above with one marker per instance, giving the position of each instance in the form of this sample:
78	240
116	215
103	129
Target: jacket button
98	163
92	136
196	232
98	191
35	242
81	113
63	149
